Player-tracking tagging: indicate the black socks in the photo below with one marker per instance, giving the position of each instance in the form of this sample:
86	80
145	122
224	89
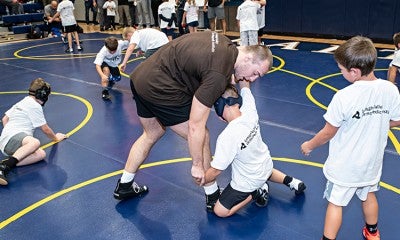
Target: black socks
11	162
287	180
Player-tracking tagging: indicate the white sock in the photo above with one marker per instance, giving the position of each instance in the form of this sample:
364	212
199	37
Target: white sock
127	177
211	189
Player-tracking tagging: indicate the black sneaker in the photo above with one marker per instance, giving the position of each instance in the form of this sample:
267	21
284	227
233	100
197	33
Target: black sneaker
3	174
128	190
298	186
105	95
261	196
212	199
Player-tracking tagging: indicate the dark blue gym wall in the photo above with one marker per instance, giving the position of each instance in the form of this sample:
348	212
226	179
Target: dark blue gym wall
377	19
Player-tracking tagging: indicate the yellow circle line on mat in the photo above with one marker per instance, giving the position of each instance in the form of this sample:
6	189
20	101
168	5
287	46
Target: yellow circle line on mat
159	163
80	125
64	56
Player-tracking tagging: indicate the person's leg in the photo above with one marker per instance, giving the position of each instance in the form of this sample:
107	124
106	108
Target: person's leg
333	221
370	209
94	11
293	183
212	23
222	211
78	44
69	37
128	15
29	147
223	24
87	7
152	132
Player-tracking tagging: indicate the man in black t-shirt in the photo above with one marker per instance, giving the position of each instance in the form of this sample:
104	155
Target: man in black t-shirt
176	87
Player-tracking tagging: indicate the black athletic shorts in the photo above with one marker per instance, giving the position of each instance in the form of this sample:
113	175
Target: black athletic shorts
231	197
113	70
166	115
70	28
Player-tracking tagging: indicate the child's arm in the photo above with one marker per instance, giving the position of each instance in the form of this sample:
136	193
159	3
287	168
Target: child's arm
128	54
5	120
211	175
391	74
392	123
50	133
322	137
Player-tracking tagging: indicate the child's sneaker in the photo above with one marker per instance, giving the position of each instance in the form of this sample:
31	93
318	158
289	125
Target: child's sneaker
3	174
261	196
105	95
64	40
128	190
79	48
298	186
212	199
69	50
370	236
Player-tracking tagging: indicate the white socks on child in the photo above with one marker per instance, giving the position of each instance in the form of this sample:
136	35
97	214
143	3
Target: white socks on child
127	177
211	189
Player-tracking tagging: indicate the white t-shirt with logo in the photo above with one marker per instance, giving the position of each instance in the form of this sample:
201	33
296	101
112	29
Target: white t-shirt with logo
112	59
166	9
362	112
247	15
191	12
240	144
24	116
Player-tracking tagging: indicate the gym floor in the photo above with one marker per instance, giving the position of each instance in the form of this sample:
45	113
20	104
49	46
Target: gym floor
69	195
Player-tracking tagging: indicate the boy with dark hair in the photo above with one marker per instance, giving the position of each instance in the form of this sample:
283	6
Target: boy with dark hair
19	122
240	145
357	124
107	60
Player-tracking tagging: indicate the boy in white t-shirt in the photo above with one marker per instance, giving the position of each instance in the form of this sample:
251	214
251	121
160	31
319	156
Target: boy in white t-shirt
394	65
248	22
19	123
107	60
240	145
357	125
148	40
65	10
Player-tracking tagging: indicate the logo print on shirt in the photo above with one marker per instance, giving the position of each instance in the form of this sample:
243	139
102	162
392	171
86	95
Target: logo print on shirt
356	115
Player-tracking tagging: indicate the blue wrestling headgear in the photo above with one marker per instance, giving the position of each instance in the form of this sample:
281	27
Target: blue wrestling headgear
219	105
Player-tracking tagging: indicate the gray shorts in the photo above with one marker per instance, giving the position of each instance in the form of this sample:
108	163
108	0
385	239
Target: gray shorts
218	12
14	143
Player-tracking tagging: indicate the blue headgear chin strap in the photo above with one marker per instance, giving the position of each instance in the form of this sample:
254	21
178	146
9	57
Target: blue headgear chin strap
219	105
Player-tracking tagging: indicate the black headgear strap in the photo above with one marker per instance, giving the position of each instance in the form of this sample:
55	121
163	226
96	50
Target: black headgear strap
41	93
219	105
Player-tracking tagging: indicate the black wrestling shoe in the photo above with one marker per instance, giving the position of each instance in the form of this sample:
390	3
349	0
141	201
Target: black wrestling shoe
212	199
261	196
4	170
105	95
128	190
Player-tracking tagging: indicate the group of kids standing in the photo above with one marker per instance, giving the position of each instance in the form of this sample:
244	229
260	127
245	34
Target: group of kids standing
354	165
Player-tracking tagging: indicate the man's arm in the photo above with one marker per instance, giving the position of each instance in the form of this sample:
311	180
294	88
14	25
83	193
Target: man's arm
391	74
211	175
196	138
322	137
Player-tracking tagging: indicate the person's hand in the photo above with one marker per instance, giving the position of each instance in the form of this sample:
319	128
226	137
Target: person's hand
122	67
198	175
305	148
61	136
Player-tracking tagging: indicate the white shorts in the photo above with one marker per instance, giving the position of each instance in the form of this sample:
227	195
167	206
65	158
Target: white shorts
341	196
